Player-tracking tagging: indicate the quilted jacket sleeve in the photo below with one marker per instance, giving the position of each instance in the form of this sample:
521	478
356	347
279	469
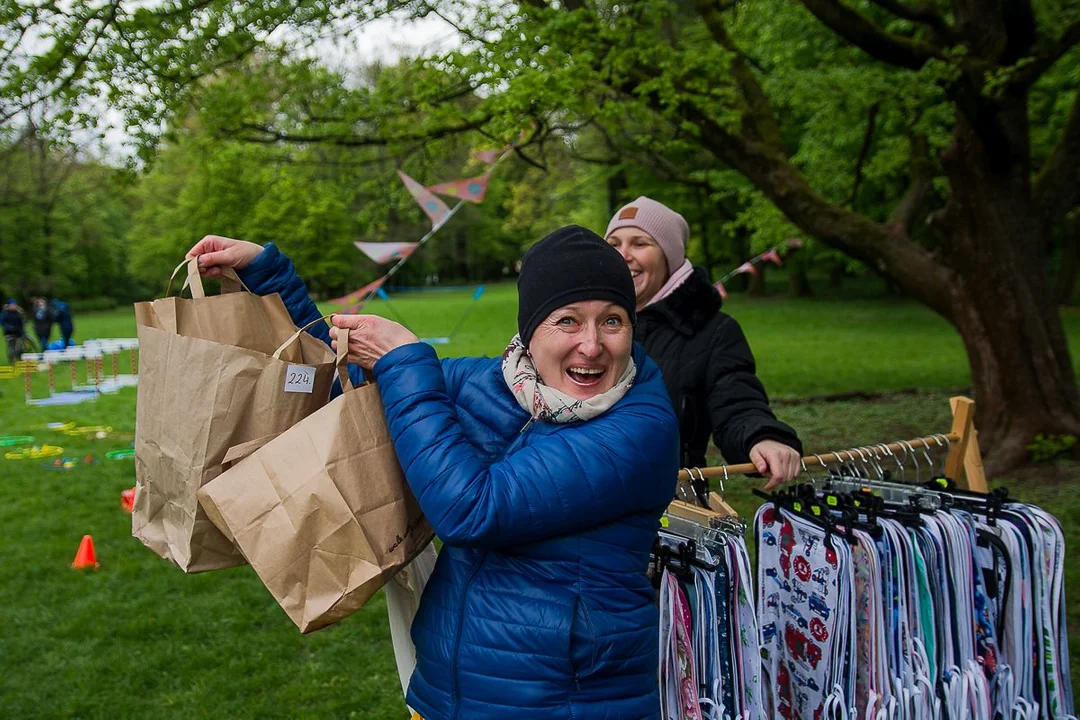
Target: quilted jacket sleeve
562	483
273	272
738	405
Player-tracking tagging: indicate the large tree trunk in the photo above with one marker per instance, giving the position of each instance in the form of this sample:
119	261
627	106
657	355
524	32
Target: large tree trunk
798	282
1001	300
756	287
989	277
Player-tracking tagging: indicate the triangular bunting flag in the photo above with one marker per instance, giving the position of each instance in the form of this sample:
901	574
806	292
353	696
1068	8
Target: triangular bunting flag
746	267
487	156
773	257
471	189
384	252
356	297
434	207
720	289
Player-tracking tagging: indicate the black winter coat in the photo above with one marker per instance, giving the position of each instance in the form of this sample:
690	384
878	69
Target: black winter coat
12	322
709	372
43	322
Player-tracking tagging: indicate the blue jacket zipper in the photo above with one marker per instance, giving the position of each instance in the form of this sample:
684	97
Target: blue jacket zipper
465	594
457	639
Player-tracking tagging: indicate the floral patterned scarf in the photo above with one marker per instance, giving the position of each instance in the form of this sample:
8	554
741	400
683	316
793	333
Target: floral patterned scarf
546	403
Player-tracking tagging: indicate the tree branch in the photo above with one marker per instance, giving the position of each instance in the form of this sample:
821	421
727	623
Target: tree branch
759	118
78	61
884	248
864	151
871	39
922	175
1018	17
1027	74
1057	186
269	136
922	12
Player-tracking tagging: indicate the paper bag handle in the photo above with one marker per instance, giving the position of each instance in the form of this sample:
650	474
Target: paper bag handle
343	362
230	283
241	451
296	336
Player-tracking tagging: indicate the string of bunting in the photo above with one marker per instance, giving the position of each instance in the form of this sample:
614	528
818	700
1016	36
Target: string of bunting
471	189
750	266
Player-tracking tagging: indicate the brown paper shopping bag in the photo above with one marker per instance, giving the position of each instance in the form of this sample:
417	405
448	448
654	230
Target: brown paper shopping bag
215	372
322	512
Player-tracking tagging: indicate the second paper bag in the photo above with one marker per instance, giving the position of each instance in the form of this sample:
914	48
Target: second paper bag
323	512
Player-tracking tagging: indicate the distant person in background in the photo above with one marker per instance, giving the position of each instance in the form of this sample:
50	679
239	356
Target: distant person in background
11	319
43	322
62	314
702	352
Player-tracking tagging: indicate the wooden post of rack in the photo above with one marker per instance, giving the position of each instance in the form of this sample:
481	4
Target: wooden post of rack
964	457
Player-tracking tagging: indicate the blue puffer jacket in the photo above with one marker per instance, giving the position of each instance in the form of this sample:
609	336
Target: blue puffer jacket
539	606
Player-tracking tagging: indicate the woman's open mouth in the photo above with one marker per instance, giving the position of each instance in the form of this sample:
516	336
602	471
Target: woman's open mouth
586	376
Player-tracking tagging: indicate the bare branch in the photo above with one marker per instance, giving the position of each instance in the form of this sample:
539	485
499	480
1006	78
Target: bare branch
858	30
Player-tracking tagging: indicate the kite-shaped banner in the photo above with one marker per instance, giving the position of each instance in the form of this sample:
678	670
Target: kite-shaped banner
720	289
434	207
471	189
384	252
746	267
356	297
487	156
773	257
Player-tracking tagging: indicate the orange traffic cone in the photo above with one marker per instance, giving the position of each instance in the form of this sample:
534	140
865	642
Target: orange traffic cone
85	557
127	500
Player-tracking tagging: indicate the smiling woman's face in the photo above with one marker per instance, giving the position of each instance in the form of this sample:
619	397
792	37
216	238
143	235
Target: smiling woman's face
648	265
582	349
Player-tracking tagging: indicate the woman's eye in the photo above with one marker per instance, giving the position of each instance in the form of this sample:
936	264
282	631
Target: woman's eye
567	321
614	321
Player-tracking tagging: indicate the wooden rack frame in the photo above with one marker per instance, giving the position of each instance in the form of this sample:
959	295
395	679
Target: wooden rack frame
963	462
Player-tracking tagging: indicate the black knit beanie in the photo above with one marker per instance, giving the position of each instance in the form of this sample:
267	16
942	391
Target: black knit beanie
570	265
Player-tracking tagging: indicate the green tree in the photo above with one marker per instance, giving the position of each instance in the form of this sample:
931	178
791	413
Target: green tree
971	168
62	217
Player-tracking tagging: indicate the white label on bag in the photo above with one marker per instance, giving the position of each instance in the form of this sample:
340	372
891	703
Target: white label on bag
300	379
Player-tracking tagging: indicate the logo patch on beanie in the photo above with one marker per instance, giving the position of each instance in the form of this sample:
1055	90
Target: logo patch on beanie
628	213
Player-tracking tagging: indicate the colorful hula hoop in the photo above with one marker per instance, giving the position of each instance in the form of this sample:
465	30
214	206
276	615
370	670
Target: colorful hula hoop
35	453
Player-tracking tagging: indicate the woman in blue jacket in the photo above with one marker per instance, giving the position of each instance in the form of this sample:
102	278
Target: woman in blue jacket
544	472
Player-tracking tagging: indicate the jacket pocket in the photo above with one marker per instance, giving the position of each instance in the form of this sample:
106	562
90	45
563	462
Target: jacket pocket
582	641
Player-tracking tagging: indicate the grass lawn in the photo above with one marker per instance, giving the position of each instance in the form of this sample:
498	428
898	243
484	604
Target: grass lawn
139	638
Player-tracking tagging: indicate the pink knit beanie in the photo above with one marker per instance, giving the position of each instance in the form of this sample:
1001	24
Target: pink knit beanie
667	227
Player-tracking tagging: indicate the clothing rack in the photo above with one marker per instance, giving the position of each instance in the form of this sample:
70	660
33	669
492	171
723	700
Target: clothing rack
963	461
